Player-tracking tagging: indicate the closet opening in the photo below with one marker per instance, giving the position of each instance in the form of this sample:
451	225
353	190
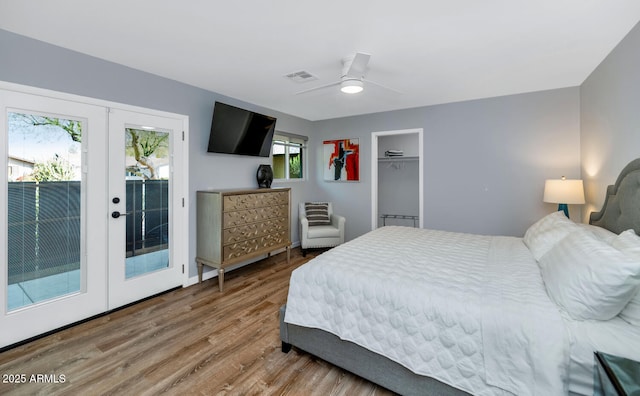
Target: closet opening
397	178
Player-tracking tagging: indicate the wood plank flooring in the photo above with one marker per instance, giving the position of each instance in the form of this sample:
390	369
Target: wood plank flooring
192	341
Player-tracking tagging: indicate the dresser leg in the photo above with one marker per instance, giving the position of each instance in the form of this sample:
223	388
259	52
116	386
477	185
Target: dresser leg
220	278
199	272
288	254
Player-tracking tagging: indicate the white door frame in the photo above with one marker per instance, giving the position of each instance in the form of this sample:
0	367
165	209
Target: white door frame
181	222
374	172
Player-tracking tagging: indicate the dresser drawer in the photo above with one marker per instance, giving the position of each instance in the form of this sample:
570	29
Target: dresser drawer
253	230
256	200
249	246
242	217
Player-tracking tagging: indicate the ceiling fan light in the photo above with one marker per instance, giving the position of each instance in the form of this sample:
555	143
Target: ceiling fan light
351	86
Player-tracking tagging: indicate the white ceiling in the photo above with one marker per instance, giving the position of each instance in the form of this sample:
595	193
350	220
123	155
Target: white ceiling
433	51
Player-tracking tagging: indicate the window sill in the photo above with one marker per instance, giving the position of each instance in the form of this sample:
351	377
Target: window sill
289	180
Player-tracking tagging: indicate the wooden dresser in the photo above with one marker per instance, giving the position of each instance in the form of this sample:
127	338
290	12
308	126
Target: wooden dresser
237	225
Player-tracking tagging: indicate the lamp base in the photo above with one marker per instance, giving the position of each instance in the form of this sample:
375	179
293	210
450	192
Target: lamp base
564	208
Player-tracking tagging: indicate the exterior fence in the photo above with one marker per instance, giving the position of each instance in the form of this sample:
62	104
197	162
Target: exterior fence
148	218
44	235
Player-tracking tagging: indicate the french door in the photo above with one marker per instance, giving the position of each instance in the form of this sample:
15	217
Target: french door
90	210
53	247
143	205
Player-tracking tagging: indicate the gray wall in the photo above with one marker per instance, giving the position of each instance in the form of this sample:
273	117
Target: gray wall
610	118
35	63
485	161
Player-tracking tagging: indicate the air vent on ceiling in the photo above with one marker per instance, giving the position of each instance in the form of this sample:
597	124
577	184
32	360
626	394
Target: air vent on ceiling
301	76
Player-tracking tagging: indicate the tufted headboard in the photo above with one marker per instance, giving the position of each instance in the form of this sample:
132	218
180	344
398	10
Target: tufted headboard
621	209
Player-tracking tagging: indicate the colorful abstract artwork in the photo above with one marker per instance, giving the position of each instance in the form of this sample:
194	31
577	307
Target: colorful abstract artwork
341	160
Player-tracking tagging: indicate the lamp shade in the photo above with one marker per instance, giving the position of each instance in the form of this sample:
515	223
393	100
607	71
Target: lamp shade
564	191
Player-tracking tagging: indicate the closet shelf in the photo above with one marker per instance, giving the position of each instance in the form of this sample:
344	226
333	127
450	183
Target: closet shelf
397	159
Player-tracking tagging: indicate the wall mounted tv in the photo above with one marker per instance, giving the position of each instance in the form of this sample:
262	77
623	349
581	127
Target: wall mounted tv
238	131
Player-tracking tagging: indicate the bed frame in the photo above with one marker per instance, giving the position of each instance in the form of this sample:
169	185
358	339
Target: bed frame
620	212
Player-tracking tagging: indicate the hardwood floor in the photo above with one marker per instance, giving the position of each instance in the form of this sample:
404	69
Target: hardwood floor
192	341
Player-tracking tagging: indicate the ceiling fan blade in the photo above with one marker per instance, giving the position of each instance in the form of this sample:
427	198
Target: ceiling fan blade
358	65
381	86
318	88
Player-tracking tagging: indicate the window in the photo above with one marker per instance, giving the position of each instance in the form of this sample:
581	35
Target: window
288	156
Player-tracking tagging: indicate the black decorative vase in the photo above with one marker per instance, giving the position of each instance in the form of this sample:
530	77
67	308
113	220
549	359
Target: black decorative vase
264	176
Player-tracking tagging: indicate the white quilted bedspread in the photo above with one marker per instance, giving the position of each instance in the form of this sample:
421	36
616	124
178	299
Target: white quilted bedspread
468	310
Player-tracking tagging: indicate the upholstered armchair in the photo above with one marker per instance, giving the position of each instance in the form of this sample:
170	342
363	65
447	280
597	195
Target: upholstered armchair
319	226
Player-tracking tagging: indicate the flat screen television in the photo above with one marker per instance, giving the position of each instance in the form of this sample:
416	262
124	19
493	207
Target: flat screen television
238	131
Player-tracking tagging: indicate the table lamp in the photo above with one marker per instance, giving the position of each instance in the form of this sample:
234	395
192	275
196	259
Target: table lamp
564	192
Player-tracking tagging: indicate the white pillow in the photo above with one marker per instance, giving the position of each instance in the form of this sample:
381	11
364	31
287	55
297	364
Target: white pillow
629	243
548	231
589	278
601	233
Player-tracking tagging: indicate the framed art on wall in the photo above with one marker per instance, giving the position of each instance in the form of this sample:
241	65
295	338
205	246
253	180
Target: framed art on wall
341	160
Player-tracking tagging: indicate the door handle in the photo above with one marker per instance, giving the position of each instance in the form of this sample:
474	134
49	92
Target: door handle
116	214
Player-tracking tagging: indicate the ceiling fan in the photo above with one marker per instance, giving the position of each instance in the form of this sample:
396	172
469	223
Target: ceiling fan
352	80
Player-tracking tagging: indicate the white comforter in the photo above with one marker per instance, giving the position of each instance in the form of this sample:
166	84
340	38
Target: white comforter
468	310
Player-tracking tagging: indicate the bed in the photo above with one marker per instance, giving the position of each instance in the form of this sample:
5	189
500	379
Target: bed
426	312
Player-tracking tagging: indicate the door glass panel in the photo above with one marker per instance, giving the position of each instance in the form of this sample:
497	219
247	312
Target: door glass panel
44	208
147	201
